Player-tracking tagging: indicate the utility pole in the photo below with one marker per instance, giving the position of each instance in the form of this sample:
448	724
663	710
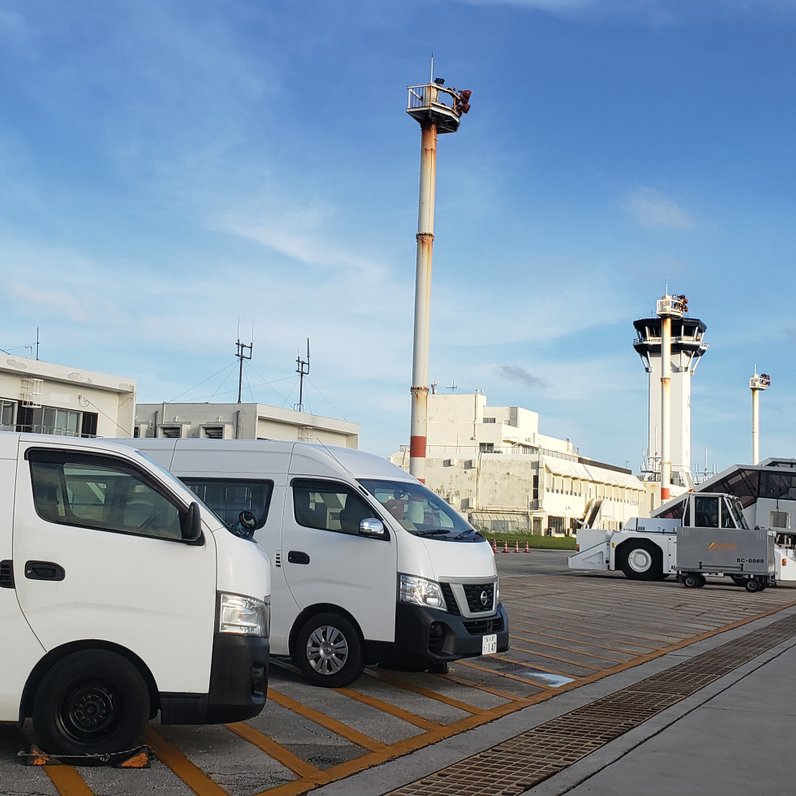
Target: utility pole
243	351
303	369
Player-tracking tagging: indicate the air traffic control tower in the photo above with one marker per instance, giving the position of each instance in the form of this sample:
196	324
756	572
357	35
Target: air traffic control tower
686	345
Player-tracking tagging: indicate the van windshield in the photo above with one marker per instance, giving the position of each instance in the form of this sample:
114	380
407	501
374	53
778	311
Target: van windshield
420	511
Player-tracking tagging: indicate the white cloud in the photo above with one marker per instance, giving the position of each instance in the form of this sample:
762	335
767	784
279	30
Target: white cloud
652	208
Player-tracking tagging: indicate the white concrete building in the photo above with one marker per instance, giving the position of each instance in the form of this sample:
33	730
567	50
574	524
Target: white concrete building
492	464
56	399
241	421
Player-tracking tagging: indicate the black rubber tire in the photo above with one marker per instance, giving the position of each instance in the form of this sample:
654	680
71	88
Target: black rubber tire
329	650
753	585
90	702
738	580
690	580
634	553
700	581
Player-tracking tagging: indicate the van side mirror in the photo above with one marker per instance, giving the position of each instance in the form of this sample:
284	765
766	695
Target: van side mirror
247	520
191	523
246	525
372	527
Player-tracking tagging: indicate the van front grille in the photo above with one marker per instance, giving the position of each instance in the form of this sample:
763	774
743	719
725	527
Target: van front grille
482	627
480	597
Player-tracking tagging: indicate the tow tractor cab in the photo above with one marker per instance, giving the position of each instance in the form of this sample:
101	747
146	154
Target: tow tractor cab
121	596
368	565
646	547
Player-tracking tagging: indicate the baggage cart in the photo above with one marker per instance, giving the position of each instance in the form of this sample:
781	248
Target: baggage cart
746	556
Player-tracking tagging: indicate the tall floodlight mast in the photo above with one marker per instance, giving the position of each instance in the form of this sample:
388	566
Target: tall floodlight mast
438	110
757	384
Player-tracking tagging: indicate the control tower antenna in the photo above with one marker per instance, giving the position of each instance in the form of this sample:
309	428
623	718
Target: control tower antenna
757	384
436	109
670	346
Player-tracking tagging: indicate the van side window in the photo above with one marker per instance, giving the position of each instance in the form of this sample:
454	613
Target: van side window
89	491
328	506
228	497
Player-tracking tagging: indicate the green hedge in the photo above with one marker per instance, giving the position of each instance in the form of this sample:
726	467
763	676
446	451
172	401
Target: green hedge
539	542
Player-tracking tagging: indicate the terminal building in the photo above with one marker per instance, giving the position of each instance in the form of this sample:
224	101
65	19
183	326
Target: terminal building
493	465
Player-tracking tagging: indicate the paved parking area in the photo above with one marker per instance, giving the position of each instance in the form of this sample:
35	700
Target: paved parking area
567	630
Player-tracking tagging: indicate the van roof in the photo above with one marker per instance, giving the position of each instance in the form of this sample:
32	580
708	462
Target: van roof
356	462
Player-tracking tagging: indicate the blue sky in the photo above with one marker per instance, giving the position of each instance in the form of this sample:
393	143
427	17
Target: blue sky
174	172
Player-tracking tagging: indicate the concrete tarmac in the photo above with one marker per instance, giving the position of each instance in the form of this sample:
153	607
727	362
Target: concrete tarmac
734	736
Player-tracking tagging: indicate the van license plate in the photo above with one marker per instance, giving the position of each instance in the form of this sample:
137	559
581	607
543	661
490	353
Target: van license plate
489	644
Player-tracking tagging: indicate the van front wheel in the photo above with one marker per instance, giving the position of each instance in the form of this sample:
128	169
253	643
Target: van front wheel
92	702
329	651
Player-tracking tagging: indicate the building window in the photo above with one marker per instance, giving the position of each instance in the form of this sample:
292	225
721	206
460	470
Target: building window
171	432
487	447
213	432
7	414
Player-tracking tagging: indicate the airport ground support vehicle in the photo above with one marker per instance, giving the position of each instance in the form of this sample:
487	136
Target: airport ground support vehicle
646	547
747	556
121	596
368	565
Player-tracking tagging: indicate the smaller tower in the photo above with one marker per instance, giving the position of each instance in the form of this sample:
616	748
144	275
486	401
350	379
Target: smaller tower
757	384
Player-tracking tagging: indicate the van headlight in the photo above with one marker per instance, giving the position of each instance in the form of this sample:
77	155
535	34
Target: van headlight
246	616
420	592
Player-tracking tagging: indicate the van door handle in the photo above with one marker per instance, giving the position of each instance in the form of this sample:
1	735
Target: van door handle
44	570
297	557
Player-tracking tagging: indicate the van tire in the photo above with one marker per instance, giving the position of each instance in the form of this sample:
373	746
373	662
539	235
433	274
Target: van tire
91	702
640	559
329	650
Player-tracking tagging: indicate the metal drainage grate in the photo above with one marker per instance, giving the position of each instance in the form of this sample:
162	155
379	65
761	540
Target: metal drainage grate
527	759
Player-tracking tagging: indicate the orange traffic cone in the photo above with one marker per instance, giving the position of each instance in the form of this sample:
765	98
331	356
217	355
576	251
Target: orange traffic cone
526	547
505	546
517	546
494	546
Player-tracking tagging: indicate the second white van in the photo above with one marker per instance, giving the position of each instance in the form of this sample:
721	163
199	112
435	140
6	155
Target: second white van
368	565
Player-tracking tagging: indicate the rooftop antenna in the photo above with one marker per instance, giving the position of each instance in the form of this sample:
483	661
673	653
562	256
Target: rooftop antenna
242	351
303	369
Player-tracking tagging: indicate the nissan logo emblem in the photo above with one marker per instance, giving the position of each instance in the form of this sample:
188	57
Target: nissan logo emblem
484	597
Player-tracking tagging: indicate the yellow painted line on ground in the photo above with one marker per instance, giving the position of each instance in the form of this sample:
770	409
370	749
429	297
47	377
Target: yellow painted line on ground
561	647
174	759
276	751
67	781
425	692
482	687
581	643
625	636
470	722
387	707
334	725
536	654
517	678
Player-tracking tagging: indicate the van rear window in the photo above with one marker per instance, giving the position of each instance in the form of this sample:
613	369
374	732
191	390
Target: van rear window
228	497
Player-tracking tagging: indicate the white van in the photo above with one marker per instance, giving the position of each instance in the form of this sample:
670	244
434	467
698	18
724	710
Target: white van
368	565
121	595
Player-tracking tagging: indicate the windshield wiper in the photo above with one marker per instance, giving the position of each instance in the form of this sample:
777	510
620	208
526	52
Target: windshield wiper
432	532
